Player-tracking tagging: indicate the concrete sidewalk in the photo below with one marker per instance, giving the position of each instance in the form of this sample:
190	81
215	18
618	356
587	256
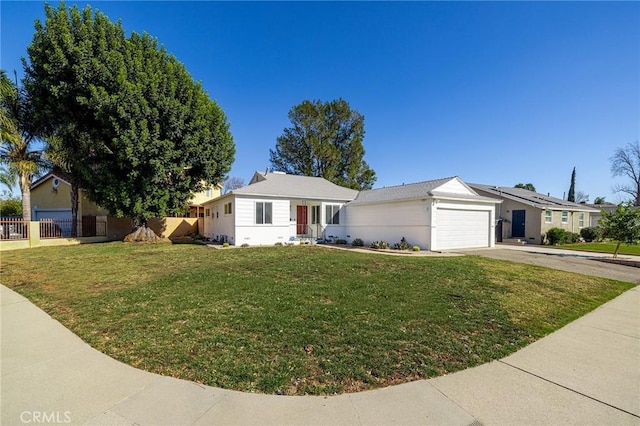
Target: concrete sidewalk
586	373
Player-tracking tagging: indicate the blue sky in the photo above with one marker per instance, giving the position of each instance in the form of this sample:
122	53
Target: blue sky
494	92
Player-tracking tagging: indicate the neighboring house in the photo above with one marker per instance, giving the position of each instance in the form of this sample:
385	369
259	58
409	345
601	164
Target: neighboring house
528	215
196	208
51	199
276	207
434	215
595	216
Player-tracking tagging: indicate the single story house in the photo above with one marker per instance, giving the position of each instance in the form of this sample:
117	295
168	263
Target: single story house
528	215
277	207
594	217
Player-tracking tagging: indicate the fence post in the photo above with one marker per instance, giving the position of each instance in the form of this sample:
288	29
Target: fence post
34	233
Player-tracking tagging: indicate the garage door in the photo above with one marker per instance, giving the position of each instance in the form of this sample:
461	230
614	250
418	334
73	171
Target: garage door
52	214
462	229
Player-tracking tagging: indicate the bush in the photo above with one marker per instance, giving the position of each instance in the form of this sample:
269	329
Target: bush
357	242
278	244
556	236
572	237
402	245
415	248
379	245
225	245
245	245
590	234
341	241
11	207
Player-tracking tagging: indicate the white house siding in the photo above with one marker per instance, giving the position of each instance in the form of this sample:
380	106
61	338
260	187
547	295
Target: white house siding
217	225
454	186
390	222
330	230
457	224
248	232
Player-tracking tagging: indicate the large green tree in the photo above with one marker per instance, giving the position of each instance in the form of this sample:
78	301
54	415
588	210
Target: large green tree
621	225
18	139
130	123
324	140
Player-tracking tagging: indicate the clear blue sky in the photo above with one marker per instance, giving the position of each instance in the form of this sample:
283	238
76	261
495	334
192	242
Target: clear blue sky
494	92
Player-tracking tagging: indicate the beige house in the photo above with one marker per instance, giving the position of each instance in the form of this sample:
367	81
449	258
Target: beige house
528	215
51	199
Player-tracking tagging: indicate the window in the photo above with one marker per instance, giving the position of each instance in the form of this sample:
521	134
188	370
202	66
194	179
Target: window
227	208
565	217
548	216
315	215
581	220
264	213
333	216
209	192
207	212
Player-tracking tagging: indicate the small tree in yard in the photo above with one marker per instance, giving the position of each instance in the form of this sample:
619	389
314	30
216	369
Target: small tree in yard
621	225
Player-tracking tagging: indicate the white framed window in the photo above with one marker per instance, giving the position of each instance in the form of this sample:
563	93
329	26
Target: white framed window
548	216
565	217
332	214
207	212
227	208
209	192
315	215
264	213
581	220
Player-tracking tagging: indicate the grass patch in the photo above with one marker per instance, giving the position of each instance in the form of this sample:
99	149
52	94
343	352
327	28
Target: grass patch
298	320
603	247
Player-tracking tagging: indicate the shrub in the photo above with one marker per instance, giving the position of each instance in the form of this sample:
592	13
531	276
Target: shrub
341	241
556	236
278	244
245	245
357	242
572	237
379	245
590	234
225	245
402	245
415	248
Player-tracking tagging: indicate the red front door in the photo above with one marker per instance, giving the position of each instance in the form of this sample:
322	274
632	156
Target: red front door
302	221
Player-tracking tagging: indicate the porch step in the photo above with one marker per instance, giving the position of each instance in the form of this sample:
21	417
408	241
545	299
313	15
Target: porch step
515	241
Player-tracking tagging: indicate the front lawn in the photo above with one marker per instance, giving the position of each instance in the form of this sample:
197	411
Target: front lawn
298	320
603	247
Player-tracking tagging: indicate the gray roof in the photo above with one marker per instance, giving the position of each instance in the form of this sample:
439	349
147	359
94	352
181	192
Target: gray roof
411	191
530	198
294	186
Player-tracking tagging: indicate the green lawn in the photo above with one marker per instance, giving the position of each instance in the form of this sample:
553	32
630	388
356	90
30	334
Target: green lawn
298	320
603	247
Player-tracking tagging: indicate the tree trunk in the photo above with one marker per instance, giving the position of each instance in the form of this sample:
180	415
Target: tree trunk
615	253
25	191
75	201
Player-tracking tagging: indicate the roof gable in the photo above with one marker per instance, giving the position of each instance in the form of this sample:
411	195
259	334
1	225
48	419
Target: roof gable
51	175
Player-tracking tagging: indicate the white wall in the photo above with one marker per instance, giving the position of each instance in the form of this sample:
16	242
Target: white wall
390	222
217	224
248	232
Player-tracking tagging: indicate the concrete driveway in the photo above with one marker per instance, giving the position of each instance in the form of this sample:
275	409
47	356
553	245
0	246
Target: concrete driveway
581	262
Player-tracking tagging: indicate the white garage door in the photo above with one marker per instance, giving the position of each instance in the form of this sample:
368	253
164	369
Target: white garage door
462	229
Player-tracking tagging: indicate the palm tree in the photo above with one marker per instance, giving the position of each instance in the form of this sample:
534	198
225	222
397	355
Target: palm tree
17	139
8	177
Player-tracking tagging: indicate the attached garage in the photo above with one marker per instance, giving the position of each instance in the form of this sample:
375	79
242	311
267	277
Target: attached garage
51	214
442	214
458	229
